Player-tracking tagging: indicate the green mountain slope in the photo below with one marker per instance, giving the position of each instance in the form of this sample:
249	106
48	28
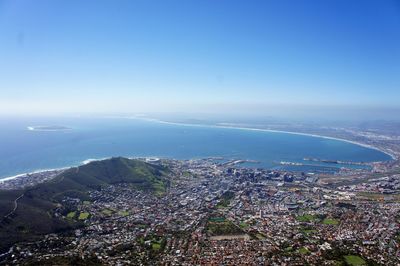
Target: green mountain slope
33	216
76	181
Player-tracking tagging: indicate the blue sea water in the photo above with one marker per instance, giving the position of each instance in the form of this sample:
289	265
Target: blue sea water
22	150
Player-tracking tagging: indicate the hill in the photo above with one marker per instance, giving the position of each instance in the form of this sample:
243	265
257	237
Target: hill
34	206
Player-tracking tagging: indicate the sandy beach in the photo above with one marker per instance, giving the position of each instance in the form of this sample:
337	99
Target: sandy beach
270	130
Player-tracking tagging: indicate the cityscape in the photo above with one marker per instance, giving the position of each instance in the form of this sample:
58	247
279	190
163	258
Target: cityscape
216	212
200	132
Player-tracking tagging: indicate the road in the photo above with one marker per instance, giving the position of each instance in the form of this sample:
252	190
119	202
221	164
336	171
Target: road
15	206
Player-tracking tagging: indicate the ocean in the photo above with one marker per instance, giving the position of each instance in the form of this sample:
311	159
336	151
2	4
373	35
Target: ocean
23	150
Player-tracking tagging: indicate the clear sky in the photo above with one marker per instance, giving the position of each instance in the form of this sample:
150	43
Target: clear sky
217	56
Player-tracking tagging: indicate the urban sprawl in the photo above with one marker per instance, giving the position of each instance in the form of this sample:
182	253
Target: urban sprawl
219	213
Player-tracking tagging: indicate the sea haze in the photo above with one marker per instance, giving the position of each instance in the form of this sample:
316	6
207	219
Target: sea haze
23	150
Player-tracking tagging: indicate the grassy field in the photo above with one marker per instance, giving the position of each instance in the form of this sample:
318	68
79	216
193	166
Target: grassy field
306	218
330	221
83	215
158	243
156	246
354	260
303	251
220	226
123	213
71	215
107	212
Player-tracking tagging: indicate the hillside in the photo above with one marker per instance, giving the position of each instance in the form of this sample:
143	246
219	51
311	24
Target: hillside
33	215
76	181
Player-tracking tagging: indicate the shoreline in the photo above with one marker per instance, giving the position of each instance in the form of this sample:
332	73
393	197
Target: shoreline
86	161
42	128
8	178
392	156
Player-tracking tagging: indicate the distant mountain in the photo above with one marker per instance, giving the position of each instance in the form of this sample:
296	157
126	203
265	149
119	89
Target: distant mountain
33	216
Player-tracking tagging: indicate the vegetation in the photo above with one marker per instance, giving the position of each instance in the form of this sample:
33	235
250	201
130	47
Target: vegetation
225	199
354	260
330	221
83	215
156	246
34	215
142	226
308	230
94	175
306	218
107	212
243	225
153	242
345	257
124	213
220	226
71	215
303	251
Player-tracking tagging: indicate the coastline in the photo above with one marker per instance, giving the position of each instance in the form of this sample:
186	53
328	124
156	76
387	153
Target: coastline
393	157
34	172
43	128
8	178
86	161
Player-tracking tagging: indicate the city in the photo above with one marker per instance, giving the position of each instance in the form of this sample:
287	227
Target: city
217	212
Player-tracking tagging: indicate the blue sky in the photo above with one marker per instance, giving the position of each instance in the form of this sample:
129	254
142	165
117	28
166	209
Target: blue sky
216	56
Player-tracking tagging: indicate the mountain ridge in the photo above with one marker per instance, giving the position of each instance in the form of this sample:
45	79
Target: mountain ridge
28	213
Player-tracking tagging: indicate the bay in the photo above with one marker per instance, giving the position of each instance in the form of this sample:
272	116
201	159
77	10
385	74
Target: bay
23	150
